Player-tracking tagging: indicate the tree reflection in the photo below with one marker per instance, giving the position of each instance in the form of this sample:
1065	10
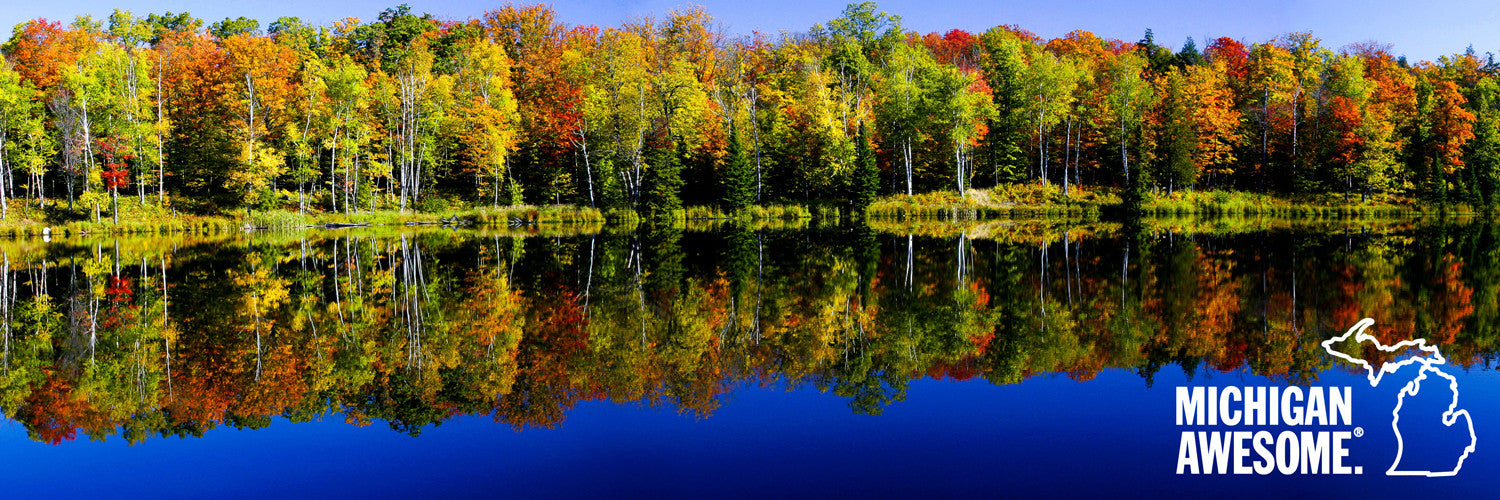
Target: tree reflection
141	338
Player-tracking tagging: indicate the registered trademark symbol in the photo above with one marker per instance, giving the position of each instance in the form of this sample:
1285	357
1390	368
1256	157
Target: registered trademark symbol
1359	431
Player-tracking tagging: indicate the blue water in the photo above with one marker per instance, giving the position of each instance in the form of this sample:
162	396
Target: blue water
1046	437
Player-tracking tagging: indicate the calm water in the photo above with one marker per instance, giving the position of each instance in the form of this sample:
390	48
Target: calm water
994	360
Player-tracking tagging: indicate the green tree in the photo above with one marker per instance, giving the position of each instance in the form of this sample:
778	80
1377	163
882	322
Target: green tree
348	98
1177	138
1051	81
236	26
1003	151
1129	97
866	182
739	180
23	141
899	98
1484	150
960	105
664	180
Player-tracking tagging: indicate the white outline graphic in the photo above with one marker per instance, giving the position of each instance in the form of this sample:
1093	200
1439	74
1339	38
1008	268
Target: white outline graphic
1448	418
1358	331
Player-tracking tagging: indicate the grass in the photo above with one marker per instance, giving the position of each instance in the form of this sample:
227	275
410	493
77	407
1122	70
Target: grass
149	218
1032	201
56	218
777	212
484	216
276	219
1238	203
1015	201
751	213
28	219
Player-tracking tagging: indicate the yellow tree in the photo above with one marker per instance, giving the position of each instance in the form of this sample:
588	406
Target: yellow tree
1216	120
616	102
23	139
1271	84
807	123
259	96
311	101
486	118
135	91
413	79
347	96
1308	60
963	104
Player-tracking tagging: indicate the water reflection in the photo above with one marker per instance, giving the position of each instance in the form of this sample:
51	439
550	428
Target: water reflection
142	338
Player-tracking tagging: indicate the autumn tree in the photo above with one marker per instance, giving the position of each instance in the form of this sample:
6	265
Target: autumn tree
961	106
1350	94
1005	70
486	116
1130	96
899	100
260	98
1449	128
25	145
1387	114
547	98
1217	120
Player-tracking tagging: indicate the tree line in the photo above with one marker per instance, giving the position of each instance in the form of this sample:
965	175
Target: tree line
410	111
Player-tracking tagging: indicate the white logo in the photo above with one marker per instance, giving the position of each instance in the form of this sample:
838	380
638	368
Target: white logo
1429	365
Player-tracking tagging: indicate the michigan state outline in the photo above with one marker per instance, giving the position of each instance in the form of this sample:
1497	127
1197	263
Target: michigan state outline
1429	365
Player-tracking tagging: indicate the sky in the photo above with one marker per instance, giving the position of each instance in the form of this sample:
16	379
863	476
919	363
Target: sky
1421	30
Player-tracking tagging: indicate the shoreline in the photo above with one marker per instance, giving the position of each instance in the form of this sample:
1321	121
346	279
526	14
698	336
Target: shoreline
1003	203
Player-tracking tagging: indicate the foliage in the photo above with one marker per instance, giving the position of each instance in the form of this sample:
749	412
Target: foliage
662	112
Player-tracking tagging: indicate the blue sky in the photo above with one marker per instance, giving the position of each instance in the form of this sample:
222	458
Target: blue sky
1420	29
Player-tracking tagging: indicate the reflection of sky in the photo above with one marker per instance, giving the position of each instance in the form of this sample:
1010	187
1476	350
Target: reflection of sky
1048	436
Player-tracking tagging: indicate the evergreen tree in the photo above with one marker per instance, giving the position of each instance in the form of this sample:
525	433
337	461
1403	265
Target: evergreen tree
739	179
1189	55
1176	168
1158	59
1484	159
1135	193
866	182
664	181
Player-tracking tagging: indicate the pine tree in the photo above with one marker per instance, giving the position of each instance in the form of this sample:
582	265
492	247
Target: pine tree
739	180
1177	168
664	181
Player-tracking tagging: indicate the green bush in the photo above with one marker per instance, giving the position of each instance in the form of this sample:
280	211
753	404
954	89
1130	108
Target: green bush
433	204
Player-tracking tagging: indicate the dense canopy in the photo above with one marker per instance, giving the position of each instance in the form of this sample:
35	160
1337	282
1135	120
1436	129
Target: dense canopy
410	111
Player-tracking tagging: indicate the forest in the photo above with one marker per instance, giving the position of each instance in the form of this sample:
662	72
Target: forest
414	112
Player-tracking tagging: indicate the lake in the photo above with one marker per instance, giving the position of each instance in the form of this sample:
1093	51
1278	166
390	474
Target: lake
895	360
